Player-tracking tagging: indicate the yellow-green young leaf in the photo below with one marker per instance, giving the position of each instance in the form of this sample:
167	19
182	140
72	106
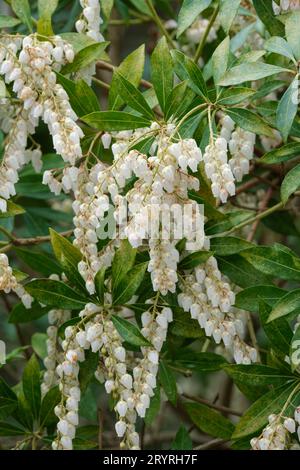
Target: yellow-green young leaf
8	21
32	386
132	96
56	294
99	284
12	210
228	11
279	46
257	415
248	299
209	421
106	7
288	304
292	32
85	57
287	109
141	6
50	400
78	41
21	314
115	121
189	11
290	183
249	72
226	246
168	382
278	332
129	284
220	59
22	10
250	121
123	261
162	72
39	344
194	259
47	8
282	154
68	256
129	332
132	69
235	95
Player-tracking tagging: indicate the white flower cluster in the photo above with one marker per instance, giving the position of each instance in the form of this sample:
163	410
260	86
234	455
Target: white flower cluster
285	5
32	74
218	170
209	299
8	282
277	435
89	24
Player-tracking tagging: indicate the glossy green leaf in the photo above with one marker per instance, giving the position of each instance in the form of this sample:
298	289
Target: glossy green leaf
168	382
188	13
39	261
21	314
286	305
220	59
209	421
282	154
129	284
49	402
235	95
32	386
162	72
292	32
132	96
225	246
82	98
278	331
248	299
115	121
250	121
85	57
129	332
123	261
264	9
99	284
279	45
38	343
56	294
182	440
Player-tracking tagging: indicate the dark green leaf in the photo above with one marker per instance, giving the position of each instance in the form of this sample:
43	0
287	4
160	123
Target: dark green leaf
249	121
168	382
56	294
49	402
282	154
248	299
32	386
162	72
85	57
21	314
132	96
129	332
115	121
182	440
209	420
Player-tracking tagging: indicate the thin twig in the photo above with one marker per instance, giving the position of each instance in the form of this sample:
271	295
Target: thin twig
203	401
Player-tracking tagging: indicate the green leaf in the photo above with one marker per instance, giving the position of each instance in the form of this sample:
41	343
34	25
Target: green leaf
209	421
129	284
186	69
99	284
7	407
115	121
71	322
249	121
184	326
235	95
292	32
68	256
32	386
256	375
56	294
225	246
279	45
106	7
287	109
39	261
257	415
46	9
12	210
264	9
10	430
188	13
182	440
82	98
274	261
241	272
295	350
88	369
194	259
249	72
132	96
220	59
22	10
178	100
78	41
228	12
123	261
201	362
288	304
162	72
85	57
50	400
278	332
8	21
282	154
154	407
129	332
248	299
38	343
21	314
132	69
290	183
168	382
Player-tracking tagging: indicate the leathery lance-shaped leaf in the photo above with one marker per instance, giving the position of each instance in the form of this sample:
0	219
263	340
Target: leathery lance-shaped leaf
279	45
186	69
183	326
189	11
249	298
209	421
85	57
256	417
220	59
8	400
249	121
56	294
236	95
82	98
282	154
123	261
264	9
194	259
21	314
257	375
274	261
49	402
129	332
39	261
99	284
225	246
32	386
249	72
162	72
290	183
292	32
178	100
182	440
287	109
22	10
68	256
201	362
132	69
7	429
168	382
115	121
228	11
132	96
289	304
240	271
278	331
129	284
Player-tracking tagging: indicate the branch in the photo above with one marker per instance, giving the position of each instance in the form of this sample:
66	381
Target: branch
223	409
